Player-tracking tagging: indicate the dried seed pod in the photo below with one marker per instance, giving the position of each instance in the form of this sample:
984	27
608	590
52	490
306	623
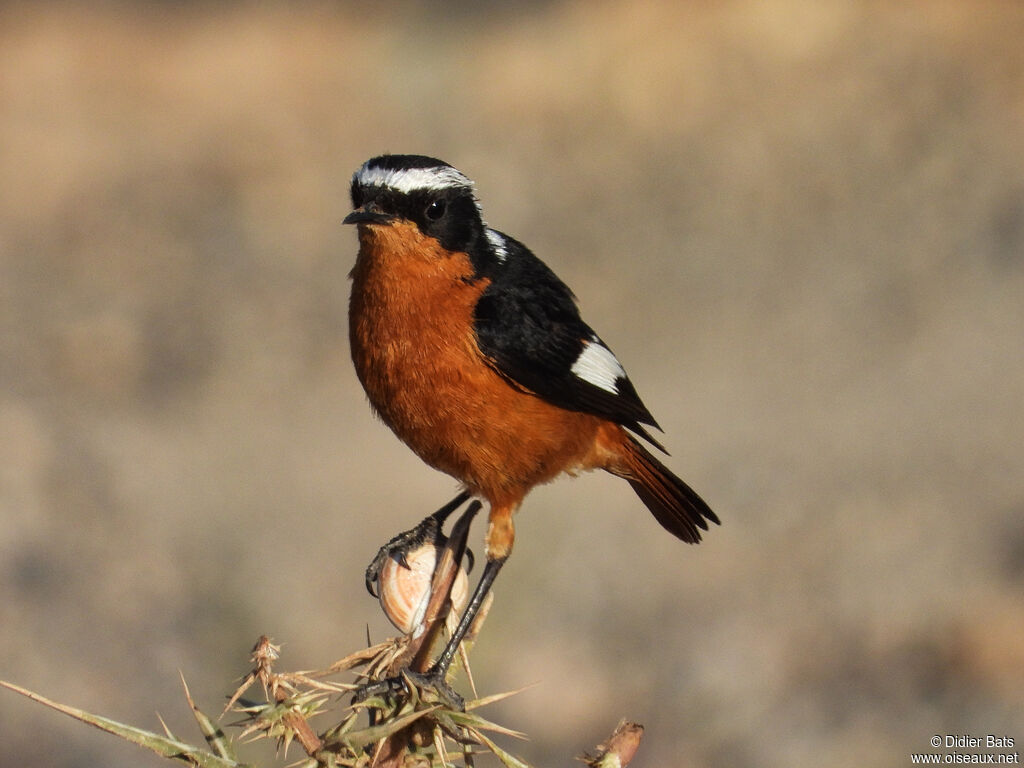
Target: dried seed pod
405	592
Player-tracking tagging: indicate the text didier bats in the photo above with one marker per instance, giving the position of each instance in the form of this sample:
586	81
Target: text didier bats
989	741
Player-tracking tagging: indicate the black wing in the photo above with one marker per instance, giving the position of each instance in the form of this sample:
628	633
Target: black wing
530	330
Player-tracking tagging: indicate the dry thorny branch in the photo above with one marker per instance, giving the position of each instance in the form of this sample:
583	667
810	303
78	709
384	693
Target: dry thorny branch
422	728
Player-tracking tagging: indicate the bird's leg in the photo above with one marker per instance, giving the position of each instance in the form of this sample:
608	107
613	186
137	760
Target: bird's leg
416	656
428	529
435	678
500	536
439	671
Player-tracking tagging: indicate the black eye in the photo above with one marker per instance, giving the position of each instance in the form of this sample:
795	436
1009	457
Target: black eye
435	210
357	196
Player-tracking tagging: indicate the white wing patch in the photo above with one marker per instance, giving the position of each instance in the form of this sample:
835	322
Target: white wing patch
497	241
406	180
598	366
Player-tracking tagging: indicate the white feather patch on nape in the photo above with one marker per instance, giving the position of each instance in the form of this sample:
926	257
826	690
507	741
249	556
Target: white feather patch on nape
406	180
598	366
497	241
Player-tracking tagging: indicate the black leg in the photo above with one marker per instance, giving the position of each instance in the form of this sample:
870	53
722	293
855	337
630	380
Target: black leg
440	668
435	677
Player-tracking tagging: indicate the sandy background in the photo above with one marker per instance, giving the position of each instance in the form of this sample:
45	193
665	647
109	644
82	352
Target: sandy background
799	224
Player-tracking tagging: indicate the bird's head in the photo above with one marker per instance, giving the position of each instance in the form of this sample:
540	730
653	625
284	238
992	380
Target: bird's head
421	190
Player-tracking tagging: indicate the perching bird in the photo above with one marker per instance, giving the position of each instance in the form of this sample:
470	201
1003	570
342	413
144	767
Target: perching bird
474	353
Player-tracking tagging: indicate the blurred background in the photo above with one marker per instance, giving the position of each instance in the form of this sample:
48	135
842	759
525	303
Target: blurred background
800	225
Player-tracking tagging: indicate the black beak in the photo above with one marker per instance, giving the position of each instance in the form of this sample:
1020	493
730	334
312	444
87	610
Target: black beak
368	214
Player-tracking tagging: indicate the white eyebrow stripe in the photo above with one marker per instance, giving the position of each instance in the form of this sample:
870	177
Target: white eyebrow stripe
406	180
598	366
497	241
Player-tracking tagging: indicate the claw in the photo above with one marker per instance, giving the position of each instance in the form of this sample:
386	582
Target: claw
395	687
389	688
436	683
428	529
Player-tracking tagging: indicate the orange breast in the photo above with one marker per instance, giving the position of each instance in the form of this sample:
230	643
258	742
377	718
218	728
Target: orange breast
411	330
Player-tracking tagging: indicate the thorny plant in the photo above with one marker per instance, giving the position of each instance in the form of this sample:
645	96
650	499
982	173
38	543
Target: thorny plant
421	727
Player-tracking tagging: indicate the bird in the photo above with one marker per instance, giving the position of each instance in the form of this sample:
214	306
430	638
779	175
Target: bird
474	353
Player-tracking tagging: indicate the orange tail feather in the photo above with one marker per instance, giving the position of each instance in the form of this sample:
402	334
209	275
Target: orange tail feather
673	503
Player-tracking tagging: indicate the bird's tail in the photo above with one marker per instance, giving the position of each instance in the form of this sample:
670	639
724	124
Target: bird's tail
673	503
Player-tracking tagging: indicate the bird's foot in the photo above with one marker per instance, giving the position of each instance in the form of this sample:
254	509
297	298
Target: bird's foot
429	687
427	530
